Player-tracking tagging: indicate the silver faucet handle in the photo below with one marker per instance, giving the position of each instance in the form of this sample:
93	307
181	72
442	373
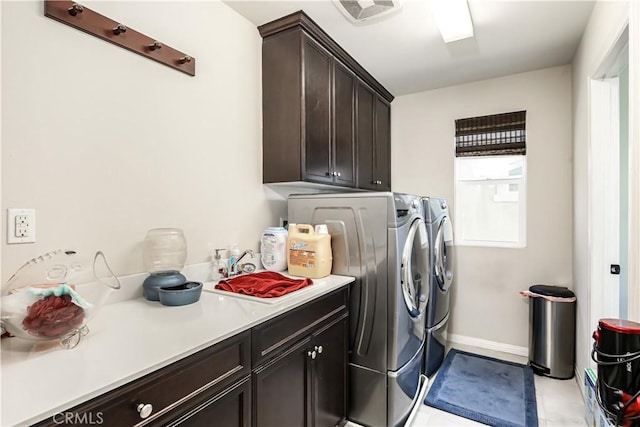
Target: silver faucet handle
217	256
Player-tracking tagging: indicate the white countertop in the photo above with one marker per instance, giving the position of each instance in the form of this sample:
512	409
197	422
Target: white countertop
128	340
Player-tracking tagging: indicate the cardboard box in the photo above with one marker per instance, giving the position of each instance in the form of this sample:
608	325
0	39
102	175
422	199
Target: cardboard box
602	420
590	401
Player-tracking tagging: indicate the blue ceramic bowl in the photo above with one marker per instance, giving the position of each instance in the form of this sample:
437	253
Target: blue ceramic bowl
184	294
165	279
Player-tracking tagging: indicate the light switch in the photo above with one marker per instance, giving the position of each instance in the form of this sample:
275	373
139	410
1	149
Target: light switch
21	225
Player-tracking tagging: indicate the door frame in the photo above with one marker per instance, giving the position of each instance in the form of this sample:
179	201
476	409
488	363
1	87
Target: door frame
630	35
604	193
633	290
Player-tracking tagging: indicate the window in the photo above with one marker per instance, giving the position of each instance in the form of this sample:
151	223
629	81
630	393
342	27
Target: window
490	196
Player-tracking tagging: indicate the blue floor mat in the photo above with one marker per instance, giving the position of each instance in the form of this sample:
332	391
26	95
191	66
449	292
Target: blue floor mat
486	390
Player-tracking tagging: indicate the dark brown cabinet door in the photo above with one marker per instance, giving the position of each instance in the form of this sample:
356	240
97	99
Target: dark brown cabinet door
330	375
365	128
344	170
382	164
231	408
282	389
373	140
318	65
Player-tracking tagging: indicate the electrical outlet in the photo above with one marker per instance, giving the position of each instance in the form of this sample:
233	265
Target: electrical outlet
21	226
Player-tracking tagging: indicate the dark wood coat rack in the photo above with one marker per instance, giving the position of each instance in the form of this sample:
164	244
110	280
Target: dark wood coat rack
85	19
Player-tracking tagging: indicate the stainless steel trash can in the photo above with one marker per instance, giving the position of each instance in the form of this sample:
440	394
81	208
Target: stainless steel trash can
552	331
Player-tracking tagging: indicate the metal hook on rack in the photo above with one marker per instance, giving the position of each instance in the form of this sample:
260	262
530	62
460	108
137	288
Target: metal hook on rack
75	9
119	29
185	59
155	45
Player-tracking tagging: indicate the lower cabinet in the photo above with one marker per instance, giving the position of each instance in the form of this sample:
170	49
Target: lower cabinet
305	386
288	371
282	389
170	393
329	374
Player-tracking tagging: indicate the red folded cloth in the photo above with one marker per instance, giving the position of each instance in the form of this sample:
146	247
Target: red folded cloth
266	284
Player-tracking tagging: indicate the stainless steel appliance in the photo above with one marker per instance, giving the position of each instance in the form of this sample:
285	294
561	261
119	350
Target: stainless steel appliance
381	239
440	232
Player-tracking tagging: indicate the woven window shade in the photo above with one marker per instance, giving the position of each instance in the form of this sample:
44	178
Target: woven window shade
495	135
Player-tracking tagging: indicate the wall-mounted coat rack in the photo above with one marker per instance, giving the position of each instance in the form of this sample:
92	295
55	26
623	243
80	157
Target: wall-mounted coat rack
85	19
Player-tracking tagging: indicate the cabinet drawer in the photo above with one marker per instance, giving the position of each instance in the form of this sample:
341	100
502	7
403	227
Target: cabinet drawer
210	369
276	335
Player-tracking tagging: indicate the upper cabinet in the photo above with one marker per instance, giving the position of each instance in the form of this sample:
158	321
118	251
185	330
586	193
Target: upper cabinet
311	116
373	140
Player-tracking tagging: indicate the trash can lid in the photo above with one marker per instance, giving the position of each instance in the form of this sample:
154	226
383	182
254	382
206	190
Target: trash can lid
552	291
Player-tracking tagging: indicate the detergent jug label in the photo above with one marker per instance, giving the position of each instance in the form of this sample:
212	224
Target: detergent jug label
301	254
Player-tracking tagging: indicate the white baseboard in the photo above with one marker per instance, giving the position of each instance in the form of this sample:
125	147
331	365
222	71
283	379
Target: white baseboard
489	345
580	380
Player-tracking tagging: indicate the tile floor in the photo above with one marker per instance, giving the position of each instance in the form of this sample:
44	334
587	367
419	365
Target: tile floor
559	402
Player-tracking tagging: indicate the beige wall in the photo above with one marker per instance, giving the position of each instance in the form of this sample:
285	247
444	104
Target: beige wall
106	144
607	21
485	303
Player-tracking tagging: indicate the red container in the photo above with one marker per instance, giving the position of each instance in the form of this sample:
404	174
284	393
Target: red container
617	352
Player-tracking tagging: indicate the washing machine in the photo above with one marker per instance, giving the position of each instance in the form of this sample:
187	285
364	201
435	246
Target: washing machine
440	230
379	238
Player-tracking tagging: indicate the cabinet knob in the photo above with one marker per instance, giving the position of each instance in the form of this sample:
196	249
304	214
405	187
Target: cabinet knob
377	182
312	354
337	173
319	349
144	409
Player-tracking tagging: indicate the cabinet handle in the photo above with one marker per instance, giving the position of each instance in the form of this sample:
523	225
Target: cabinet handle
312	354
319	349
144	409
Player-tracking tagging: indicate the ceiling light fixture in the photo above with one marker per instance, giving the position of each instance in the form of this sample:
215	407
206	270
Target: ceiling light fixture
453	19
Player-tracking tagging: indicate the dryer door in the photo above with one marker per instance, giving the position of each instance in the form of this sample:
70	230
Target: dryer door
415	269
443	254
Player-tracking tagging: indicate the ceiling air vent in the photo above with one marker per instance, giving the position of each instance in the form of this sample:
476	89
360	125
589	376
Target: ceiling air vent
362	10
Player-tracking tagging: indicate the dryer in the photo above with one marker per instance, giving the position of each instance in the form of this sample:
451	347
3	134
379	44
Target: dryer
381	240
440	230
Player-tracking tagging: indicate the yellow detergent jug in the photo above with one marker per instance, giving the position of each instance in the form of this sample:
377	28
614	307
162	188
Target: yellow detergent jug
309	251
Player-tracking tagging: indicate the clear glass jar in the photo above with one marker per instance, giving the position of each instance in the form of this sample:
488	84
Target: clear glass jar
53	296
165	249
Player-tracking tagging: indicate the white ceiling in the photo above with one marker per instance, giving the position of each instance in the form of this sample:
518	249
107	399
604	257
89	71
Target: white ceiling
405	51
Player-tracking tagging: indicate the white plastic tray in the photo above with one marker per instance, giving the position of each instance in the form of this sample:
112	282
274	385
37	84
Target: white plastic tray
210	287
